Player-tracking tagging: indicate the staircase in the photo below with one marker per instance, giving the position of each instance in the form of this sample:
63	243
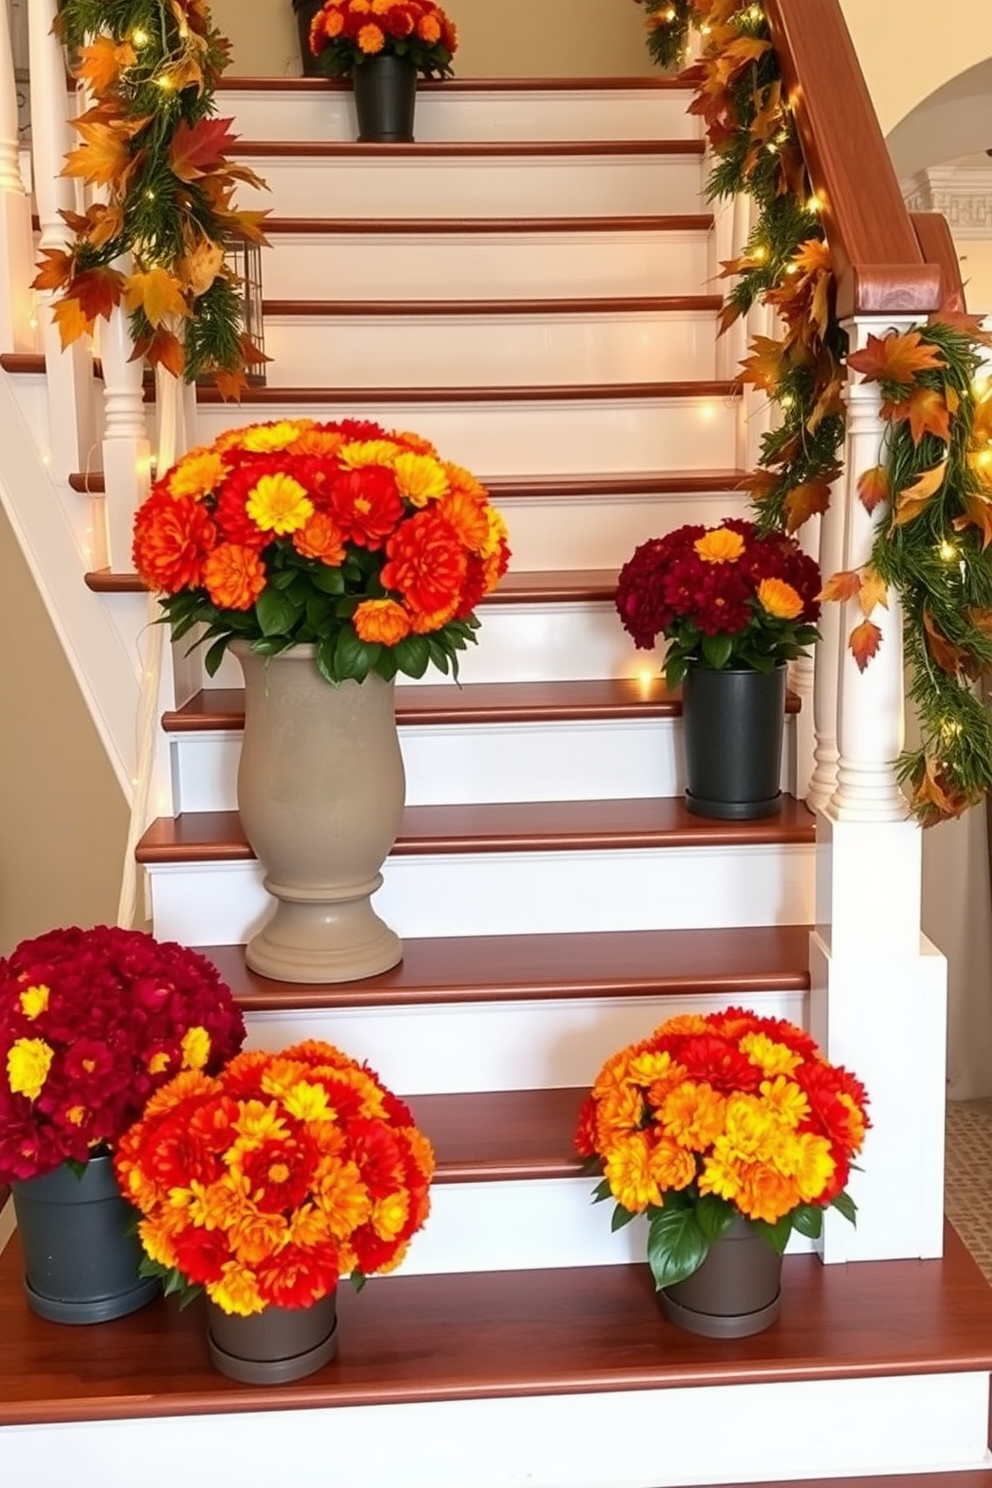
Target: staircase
531	287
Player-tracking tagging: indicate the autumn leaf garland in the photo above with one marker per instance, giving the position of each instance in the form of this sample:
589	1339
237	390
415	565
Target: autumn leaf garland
153	149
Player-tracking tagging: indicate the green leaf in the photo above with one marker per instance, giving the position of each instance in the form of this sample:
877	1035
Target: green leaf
353	657
214	657
845	1205
412	655
808	1220
621	1217
676	1246
275	612
714	1216
357	1279
717	650
601	1191
327	580
777	1234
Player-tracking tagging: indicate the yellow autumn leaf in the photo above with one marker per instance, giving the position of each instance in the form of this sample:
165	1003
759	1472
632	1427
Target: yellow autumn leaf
874	590
911	501
158	293
71	320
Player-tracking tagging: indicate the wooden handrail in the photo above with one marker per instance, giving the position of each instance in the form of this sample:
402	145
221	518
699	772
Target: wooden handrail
879	264
936	242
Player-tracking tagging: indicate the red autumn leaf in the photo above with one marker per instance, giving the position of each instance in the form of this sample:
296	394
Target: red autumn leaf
197	150
864	643
895	358
98	291
161	349
873	487
841	586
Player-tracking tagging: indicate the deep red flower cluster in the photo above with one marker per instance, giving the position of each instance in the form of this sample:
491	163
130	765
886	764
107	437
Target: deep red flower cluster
91	1023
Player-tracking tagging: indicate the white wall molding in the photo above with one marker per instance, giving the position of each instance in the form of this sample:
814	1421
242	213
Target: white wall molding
963	193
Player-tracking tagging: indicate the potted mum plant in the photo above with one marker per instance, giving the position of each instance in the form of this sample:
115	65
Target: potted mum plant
382	47
728	1131
330	556
263	1186
734	606
92	1022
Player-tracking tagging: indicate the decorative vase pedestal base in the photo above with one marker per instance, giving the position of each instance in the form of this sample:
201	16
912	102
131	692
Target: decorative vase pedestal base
737	1290
273	1347
315	942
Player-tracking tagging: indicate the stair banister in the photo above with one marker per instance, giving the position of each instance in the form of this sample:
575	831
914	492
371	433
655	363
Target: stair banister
878	989
69	374
16	330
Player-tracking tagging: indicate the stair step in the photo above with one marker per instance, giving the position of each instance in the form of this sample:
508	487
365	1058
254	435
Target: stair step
503	1369
504	1012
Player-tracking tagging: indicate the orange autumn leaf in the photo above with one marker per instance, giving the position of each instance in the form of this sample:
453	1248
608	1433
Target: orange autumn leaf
982	621
895	358
761	484
934	799
873	487
805	501
928	413
102	62
230	385
54	269
764	367
977	513
768	112
158	293
161	349
972	326
198	149
841	586
71	321
864	642
873	591
911	501
947	656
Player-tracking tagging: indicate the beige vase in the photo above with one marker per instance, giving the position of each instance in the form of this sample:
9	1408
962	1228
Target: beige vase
321	790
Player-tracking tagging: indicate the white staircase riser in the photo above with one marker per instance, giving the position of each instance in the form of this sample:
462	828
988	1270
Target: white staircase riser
518	893
484	265
531	1044
581	436
464	350
451	765
923	1422
327	114
383	186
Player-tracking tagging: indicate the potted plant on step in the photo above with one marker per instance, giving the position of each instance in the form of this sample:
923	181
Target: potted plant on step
330	556
383	45
92	1022
263	1186
734	606
728	1131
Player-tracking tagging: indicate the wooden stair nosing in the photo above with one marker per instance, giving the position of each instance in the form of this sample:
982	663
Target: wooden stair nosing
464	149
363	227
514	827
569	586
530	393
502	1136
466	85
577	305
22	363
729	963
413	1339
433	704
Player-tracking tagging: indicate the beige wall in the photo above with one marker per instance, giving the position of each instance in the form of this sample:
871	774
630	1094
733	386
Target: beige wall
976	271
63	820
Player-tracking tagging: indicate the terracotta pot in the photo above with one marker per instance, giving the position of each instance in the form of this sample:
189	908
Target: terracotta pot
321	791
734	1293
81	1256
732	726
275	1346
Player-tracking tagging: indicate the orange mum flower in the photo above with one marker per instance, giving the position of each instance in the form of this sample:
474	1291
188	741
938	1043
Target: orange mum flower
371	39
427	562
428	29
172	538
779	599
381	620
321	538
234	577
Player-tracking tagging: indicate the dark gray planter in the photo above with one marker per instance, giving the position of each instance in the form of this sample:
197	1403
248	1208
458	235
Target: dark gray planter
732	725
305	11
735	1292
81	1256
385	99
275	1346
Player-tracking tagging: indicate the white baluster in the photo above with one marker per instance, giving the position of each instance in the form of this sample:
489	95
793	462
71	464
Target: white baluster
16	252
70	374
833	639
802	673
126	447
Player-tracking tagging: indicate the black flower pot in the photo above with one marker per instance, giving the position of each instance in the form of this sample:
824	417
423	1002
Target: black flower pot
385	98
732	725
305	12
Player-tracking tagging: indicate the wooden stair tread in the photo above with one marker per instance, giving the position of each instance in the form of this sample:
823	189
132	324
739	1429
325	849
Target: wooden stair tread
516	968
466	85
505	1334
661	222
563	586
502	1135
529	393
579	305
463	149
529	826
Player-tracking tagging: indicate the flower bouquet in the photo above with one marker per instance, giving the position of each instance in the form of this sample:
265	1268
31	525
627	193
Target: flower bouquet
722	1117
92	1022
345	33
363	543
267	1183
722	597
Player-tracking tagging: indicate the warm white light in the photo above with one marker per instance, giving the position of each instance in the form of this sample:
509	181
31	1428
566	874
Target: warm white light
139	37
707	411
947	551
786	400
814	205
760	254
164	81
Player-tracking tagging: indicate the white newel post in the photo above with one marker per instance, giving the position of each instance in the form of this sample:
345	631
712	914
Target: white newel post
878	999
16	252
70	373
126	447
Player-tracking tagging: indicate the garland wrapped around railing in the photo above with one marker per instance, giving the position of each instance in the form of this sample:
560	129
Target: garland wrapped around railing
935	470
153	149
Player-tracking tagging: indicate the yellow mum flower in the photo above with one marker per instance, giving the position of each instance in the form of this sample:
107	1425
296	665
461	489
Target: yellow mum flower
308	1102
263	438
722	545
236	1291
28	1063
197	474
671	1165
749	1127
158	1063
196	1048
279	504
307	1226
258	1122
255	1235
620	1110
779	599
855	1121
693	1115
157	1242
765	1194
627	1169
34	1001
772	1058
814	1166
786	1099
420	478
497	533
343	1197
368	452
390	1214
649	1067
721	1173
